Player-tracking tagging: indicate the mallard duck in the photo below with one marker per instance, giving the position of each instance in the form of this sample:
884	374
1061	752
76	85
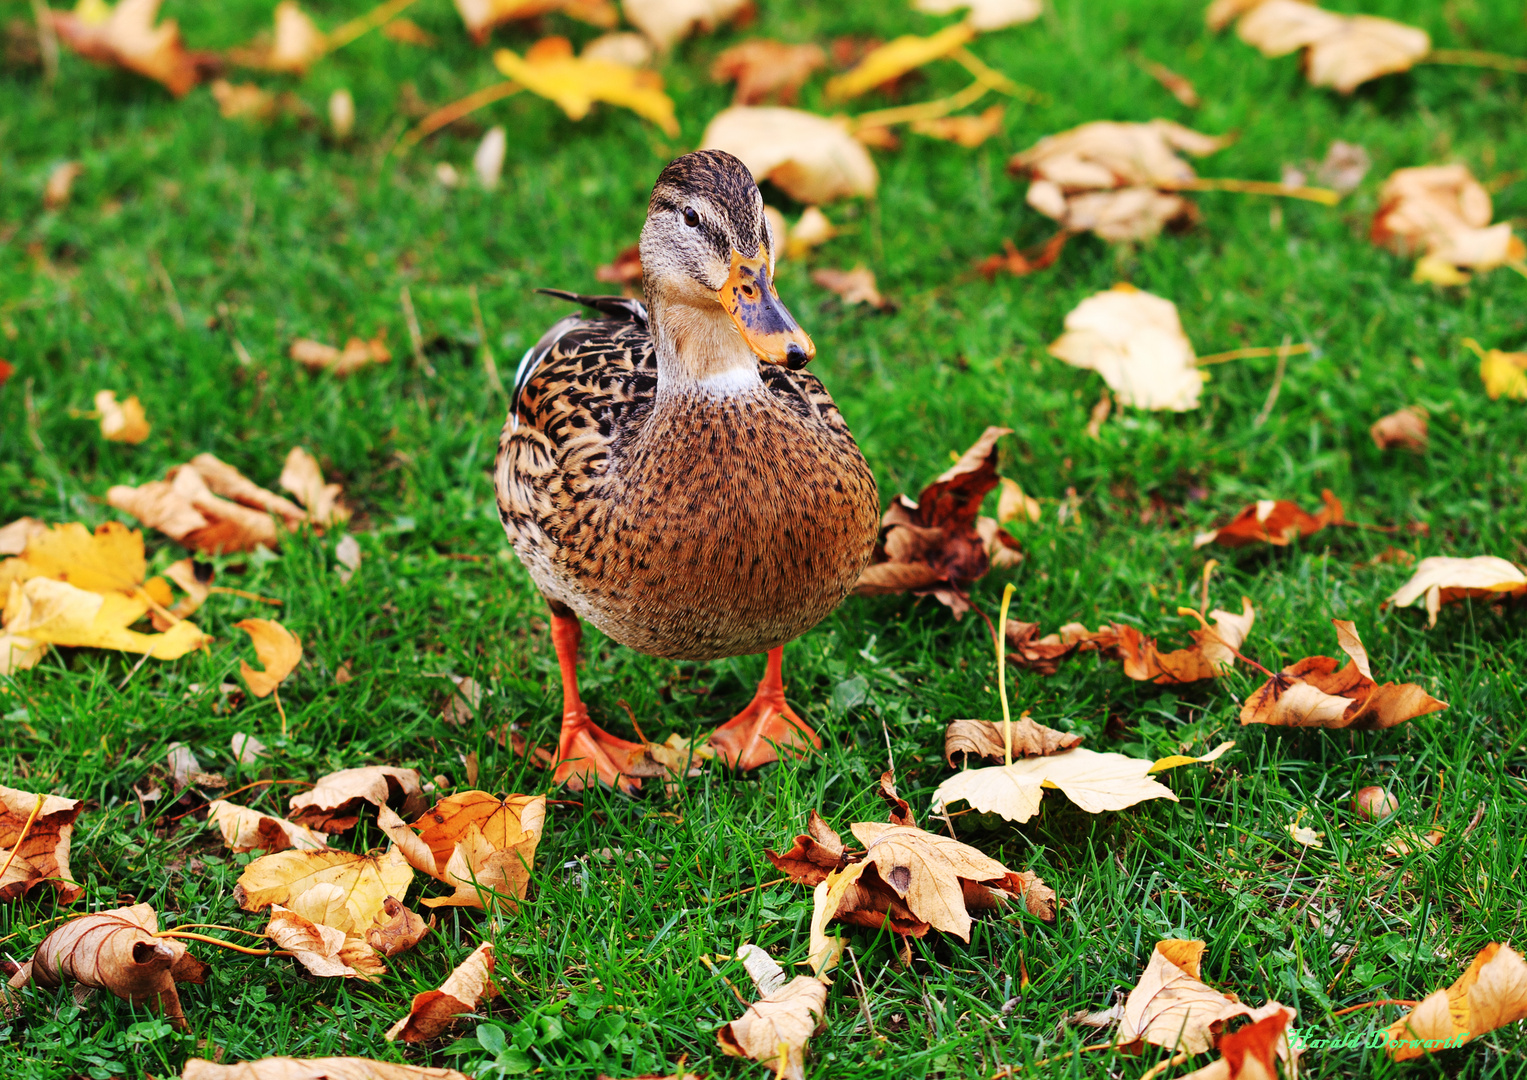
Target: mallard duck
669	473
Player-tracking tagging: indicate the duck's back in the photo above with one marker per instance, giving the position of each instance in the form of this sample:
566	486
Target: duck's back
714	525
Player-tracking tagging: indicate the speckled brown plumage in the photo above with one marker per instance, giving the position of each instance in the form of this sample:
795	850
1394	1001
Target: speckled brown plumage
683	524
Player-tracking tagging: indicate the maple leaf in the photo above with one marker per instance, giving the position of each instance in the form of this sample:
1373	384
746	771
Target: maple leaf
350	890
245	829
665	22
477	843
1405	428
1341	51
1211	656
550	70
1172	1007
42	612
1253	1052
808	157
1277	522
894	59
357	354
934	546
434	1011
1093	781
332	1068
324	950
773	1031
1313	693
15	536
1490	994
856	286
1442	213
118	950
967	131
1134	339
1114	179
1442	580
766	70
35	834
127	37
481	16
985	739
335	801
1503	373
121	421
985	14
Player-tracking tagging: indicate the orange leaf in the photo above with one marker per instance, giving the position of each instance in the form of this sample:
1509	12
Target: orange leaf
278	649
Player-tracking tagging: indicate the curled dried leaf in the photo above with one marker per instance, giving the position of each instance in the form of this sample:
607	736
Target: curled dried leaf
1443	580
1490	994
335	801
1135	340
276	647
433	1012
245	829
325	951
811	158
121	421
1277	522
351	890
43	852
985	739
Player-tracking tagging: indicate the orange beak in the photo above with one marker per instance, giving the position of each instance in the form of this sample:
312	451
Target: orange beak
769	330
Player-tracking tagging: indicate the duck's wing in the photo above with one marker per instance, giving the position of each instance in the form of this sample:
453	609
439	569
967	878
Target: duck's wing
615	309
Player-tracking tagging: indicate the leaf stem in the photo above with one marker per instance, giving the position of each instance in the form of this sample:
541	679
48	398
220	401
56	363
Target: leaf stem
1250	352
209	940
1234	651
16	848
1324	196
1371	1004
923	110
1007	716
244	595
1476	58
208	926
276	694
995	79
449	114
364	24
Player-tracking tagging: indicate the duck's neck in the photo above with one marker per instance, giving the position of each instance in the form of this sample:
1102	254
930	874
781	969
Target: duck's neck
700	353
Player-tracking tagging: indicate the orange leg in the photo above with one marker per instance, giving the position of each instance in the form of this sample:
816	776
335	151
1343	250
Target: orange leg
748	740
583	749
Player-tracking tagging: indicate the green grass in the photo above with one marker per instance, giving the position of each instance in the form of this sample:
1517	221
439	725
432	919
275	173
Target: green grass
273	233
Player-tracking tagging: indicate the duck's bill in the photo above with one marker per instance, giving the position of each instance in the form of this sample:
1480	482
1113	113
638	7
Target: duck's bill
749	298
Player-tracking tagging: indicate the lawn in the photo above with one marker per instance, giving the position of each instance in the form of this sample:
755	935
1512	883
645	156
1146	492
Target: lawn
196	248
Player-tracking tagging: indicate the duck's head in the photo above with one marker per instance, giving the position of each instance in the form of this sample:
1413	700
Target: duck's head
707	247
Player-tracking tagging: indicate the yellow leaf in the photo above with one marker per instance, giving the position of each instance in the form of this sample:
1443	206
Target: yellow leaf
1504	375
363	884
56	613
108	560
277	648
550	70
1442	580
1490	994
322	949
896	58
330	1068
121	421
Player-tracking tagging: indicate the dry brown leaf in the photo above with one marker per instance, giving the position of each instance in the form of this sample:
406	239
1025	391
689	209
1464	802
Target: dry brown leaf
1095	782
1442	580
397	929
121	421
333	1068
1489	995
985	739
43	855
127	37
896	58
767	70
1211	656
357	354
550	70
810	158
1253	1052
620	47
816	853
1342	51
856	286
985	15
1179	86
335	801
1443	213
245	829
299	43
251	102
1276	522
278	650
433	1012
773	1031
967	131
934	546
55	193
1412	842
481	16
301	476
1135	340
325	951
1313	693
1404	428
117	951
665	22
1115	179
479	843
349	890
811	230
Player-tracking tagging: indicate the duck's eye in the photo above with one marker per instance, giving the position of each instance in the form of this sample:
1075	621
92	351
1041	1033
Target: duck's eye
691	218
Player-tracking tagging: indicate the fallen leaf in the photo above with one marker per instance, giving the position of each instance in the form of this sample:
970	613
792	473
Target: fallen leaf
632	50
856	286
397	929
296	46
249	101
488	158
1115	179
1135	340
333	1068
1490	994
349	890
1442	212
665	22
1095	782
245	829
1179	86
127	37
1344	167
985	739
895	58
42	611
808	157
408	32
1253	1051
967	131
1304	836
55	193
1442	580
1275	522
1211	656
626	269
433	1012
479	843
301	476
1313	693
357	354
550	70
335	801
767	70
1504	374
985	14
118	951
811	230
7	369
481	16
1405	428
1409	841
933	546
224	480
325	951
773	1031
44	851
1341	51
15	536
1022	263
278	650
